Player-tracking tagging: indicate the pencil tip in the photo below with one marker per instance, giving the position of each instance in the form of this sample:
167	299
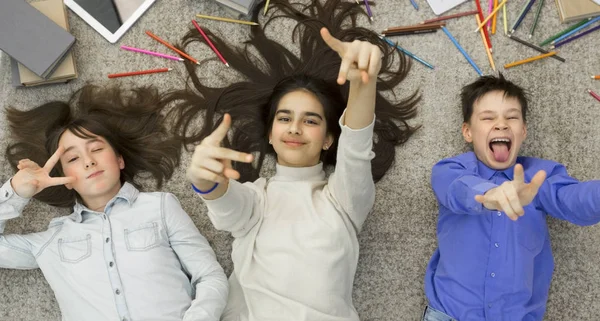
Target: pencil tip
169	69
371	18
592	77
197	63
227	64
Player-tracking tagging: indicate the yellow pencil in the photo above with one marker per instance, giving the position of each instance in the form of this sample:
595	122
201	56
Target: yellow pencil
505	23
494	21
252	23
534	58
491	15
487	49
266	7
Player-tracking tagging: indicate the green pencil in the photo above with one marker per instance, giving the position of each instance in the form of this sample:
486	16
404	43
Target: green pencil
577	25
537	17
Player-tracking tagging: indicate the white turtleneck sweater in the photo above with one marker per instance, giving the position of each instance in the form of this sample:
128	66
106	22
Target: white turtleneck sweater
295	250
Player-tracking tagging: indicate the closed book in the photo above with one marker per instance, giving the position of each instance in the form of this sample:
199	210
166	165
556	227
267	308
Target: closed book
574	10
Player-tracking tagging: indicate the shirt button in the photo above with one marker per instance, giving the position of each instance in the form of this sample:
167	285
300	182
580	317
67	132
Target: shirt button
493	274
499	213
108	240
118	291
111	264
489	306
496	245
104	217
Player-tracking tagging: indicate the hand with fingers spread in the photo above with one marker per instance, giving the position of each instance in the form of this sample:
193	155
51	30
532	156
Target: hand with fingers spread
211	163
361	60
32	179
512	196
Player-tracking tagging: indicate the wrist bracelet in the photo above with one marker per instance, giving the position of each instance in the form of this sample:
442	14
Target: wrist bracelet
204	192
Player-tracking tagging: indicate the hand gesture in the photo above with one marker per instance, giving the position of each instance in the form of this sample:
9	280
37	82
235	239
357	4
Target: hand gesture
511	196
32	179
361	60
211	163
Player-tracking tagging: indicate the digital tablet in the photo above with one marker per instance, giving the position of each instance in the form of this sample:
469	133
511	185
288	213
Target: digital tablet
111	18
441	6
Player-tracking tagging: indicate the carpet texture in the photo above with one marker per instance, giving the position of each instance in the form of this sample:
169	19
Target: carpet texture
399	236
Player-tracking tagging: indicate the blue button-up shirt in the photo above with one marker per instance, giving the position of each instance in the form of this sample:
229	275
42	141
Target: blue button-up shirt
142	258
488	267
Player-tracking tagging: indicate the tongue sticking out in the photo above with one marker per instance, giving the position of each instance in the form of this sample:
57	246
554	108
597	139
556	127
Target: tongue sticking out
500	151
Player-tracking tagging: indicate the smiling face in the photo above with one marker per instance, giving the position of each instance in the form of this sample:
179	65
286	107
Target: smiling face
299	131
496	130
95	166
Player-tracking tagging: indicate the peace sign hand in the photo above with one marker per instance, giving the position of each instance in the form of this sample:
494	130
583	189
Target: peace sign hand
511	196
32	179
361	60
211	163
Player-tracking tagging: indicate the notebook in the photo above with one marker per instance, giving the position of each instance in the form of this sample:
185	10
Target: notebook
31	38
575	10
239	8
66	70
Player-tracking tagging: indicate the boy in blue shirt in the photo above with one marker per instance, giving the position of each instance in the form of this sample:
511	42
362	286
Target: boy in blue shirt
494	260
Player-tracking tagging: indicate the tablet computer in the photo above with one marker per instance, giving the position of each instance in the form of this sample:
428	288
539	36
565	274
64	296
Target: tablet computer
441	6
111	18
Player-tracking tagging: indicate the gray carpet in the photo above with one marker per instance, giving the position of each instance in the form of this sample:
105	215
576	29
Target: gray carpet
399	236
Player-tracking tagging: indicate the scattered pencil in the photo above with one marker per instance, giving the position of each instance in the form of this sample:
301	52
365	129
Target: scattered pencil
574	31
152	53
522	15
212	46
597	77
406	52
504	20
266	7
452	16
168	45
532	46
410	32
490	16
458	46
566	41
436	25
485	31
537	18
528	60
495	19
369	13
487	49
414	4
594	94
490	9
244	22
550	39
141	72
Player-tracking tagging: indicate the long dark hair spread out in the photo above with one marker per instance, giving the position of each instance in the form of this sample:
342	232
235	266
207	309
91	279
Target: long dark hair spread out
130	121
276	71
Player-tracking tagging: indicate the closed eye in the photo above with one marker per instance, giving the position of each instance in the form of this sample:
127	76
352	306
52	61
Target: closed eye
72	159
97	149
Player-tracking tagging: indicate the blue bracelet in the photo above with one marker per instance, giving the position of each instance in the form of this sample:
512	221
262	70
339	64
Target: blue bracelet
206	192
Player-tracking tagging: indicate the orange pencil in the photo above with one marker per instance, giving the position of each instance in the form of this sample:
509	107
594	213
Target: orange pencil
534	58
141	72
597	77
210	42
495	17
487	49
183	54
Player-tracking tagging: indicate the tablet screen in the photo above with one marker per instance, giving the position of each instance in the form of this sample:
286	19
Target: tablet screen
110	13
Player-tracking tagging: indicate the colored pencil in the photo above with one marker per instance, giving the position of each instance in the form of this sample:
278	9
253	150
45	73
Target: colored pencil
369	13
406	52
532	46
436	25
550	39
462	51
480	13
504	22
490	16
487	50
152	53
566	41
141	72
594	94
490	9
414	4
410	32
537	18
597	77
251	23
168	45
266	7
212	46
574	31
495	19
522	16
452	16
528	60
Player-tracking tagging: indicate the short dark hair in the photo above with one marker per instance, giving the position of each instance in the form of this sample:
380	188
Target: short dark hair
485	84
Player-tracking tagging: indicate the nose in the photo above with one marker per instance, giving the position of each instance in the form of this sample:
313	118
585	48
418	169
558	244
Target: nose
89	164
501	126
294	129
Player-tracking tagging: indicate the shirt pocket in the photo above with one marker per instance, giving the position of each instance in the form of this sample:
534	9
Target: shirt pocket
142	237
531	230
74	250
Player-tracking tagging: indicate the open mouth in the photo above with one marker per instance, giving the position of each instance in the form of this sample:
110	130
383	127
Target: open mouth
500	148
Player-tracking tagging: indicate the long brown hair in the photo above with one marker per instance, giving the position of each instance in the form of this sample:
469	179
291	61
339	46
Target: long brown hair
275	71
131	121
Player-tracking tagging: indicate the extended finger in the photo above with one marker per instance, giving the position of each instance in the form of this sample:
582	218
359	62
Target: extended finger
216	137
332	42
230	154
537	180
519	176
51	162
345	66
513	199
54	181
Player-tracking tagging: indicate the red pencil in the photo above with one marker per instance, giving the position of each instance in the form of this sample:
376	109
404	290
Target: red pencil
183	54
485	32
594	94
210	42
141	72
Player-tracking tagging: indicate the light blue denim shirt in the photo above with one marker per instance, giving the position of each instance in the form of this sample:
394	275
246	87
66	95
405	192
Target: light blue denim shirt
141	259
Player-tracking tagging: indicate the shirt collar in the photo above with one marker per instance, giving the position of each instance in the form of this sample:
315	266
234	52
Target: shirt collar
300	173
487	173
128	192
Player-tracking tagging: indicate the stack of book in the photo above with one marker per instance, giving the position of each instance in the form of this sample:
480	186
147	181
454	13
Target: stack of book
238	8
36	38
573	10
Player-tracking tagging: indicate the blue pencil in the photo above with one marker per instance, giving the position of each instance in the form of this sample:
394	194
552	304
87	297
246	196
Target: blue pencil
406	52
522	16
462	51
566	35
414	4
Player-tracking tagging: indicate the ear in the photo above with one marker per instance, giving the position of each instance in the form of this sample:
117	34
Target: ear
524	131
328	141
466	131
121	162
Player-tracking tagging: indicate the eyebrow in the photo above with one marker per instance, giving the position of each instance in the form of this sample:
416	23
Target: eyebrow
308	113
89	141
